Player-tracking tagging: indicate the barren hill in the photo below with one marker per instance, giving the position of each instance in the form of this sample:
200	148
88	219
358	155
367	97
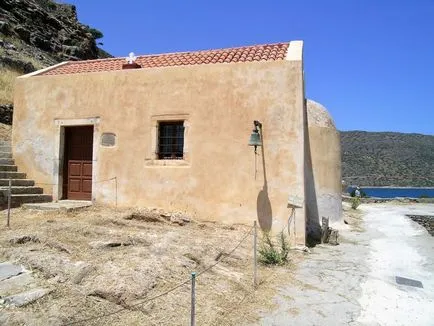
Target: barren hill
387	159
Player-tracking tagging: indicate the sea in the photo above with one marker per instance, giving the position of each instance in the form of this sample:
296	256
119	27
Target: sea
394	192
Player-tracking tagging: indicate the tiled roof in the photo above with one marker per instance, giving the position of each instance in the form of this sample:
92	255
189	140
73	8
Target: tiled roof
266	52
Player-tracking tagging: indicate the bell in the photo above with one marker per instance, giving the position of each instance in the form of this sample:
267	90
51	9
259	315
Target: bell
255	138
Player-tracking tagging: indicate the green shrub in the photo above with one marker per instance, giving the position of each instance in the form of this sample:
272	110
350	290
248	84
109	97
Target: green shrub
423	196
362	193
96	34
355	202
274	254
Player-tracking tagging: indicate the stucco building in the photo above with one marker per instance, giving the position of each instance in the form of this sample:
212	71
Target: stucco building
172	131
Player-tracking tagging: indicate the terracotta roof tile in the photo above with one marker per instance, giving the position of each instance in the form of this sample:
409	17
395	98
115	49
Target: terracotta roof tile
266	52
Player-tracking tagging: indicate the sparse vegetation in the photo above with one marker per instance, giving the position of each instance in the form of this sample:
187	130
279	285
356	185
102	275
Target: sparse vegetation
7	78
274	254
387	159
355	202
96	34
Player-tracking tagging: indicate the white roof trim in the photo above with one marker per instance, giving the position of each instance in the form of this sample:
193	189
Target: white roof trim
295	51
40	71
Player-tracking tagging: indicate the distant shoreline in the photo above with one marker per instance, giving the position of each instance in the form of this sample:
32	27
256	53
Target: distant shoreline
390	187
395	192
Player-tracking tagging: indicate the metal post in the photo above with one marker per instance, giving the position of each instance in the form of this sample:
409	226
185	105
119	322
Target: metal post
193	299
9	202
255	237
116	191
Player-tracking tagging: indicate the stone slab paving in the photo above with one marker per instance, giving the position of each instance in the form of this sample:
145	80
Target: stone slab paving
8	270
17	286
23	298
68	205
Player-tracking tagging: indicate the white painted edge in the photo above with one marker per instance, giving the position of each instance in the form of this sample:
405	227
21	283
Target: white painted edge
77	122
295	51
40	71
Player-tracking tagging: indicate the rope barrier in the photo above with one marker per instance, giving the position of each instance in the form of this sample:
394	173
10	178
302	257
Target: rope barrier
165	292
227	255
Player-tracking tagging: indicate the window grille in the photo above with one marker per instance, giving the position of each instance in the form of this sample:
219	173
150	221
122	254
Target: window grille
171	140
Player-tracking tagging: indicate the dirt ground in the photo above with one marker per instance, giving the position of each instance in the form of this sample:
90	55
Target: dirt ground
100	260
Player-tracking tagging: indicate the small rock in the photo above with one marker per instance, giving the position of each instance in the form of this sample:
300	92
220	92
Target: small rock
108	244
8	270
4	27
333	238
58	246
24	239
82	271
24	298
23	33
179	222
16	283
10	46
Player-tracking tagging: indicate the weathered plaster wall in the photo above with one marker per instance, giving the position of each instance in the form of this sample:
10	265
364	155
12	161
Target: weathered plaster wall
322	169
219	102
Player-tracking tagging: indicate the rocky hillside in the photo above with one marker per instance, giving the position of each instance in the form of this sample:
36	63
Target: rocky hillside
387	159
39	33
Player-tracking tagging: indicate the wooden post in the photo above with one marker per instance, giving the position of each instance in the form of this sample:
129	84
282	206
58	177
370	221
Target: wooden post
116	191
325	230
255	239
9	203
193	299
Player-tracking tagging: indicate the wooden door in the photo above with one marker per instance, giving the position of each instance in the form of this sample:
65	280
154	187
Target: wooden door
78	162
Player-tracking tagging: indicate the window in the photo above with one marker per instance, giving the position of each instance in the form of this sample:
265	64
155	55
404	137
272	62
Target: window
171	140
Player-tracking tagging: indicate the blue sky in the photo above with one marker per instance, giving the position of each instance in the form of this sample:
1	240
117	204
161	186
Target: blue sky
371	62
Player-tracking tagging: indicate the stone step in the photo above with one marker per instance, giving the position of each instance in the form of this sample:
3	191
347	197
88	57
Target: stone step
5	155
12	175
7	167
5	143
17	182
7	161
19	199
6	149
21	190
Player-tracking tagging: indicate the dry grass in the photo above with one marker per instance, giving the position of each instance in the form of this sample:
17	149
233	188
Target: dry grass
5	132
353	217
99	260
7	80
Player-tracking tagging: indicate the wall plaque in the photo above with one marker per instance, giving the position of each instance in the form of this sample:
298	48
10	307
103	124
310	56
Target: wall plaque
108	139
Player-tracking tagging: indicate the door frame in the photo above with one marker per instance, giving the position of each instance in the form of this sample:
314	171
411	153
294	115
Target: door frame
59	153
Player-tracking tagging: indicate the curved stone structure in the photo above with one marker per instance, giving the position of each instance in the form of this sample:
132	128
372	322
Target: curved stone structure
322	169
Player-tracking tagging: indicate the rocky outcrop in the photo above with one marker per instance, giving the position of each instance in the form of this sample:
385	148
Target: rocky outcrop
427	221
37	33
6	111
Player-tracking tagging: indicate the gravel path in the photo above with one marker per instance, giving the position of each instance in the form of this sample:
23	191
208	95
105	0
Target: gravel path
355	283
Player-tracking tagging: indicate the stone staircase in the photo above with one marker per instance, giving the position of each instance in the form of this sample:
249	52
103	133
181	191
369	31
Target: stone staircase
23	190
